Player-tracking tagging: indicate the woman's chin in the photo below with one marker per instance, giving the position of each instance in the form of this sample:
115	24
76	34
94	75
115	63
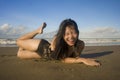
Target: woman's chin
70	44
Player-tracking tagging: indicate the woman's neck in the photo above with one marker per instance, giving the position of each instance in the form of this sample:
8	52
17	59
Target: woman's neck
70	48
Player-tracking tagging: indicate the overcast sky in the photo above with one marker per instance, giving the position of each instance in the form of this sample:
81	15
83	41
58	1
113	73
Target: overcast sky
95	18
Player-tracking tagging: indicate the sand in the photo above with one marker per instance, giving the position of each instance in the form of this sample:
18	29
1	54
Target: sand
13	68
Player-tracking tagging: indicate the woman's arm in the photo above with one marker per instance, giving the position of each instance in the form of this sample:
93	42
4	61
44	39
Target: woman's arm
87	61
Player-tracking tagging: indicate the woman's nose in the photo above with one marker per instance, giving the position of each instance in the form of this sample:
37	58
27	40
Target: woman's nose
71	36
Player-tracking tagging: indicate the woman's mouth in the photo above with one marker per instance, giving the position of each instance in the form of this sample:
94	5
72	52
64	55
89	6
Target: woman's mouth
71	42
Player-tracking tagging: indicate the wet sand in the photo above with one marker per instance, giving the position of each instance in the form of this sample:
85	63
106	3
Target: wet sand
13	68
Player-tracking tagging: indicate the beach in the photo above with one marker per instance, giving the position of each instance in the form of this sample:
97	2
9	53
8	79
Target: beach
13	68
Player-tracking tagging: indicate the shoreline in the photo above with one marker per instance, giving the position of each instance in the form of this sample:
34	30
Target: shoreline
88	41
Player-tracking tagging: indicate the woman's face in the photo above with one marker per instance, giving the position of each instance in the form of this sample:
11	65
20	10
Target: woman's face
70	36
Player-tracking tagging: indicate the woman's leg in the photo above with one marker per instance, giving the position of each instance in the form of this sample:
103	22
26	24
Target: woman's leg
34	33
27	42
26	54
28	46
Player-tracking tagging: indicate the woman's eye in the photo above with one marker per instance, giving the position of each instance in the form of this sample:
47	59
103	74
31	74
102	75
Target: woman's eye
74	33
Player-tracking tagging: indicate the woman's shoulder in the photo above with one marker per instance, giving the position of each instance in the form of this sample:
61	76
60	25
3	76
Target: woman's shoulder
80	42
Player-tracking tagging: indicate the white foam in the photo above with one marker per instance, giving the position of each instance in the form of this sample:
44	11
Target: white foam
88	41
7	41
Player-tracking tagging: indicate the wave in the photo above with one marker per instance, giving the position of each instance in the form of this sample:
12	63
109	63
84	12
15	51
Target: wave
7	41
88	41
100	40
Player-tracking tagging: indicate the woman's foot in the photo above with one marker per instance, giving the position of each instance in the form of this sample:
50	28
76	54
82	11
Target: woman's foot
40	29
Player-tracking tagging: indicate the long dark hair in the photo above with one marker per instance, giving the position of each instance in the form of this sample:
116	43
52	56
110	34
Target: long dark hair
61	46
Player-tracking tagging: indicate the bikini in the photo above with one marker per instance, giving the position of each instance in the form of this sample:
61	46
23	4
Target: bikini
44	49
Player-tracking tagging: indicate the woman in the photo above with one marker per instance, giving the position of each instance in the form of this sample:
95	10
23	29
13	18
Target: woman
65	46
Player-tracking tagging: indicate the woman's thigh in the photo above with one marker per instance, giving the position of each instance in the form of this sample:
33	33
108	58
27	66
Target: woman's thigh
30	44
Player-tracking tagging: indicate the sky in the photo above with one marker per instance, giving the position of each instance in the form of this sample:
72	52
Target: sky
95	18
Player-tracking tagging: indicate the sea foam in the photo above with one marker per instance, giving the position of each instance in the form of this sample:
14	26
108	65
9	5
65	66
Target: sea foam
88	42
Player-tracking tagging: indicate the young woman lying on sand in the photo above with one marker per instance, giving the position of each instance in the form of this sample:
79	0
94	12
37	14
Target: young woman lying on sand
65	46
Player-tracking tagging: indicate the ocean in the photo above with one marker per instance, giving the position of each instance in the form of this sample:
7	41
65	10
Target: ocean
88	42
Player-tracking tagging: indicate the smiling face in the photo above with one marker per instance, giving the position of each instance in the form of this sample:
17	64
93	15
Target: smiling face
70	36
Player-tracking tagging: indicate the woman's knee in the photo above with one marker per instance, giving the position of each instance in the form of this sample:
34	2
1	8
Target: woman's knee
18	42
19	55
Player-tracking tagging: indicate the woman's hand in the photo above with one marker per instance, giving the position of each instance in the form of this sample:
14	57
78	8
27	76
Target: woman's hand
91	62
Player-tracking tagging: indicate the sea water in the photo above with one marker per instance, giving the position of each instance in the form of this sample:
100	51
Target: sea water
88	42
8	42
101	41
